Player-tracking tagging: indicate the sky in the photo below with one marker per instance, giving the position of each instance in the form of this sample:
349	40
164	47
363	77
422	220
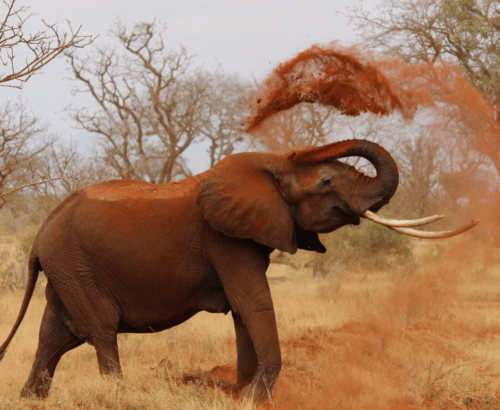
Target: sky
245	38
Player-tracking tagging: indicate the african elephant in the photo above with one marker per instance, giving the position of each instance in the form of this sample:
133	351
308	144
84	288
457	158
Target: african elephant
128	256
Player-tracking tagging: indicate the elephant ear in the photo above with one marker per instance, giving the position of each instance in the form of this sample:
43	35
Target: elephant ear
241	198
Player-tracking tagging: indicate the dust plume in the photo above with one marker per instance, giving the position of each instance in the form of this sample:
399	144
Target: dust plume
357	81
456	104
346	78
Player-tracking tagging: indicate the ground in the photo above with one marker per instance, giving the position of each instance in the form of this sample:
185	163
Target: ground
424	339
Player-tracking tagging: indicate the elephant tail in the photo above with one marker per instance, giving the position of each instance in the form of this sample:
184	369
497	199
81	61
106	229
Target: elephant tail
34	268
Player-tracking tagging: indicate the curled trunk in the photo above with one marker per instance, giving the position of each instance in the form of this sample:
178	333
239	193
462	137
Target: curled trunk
374	192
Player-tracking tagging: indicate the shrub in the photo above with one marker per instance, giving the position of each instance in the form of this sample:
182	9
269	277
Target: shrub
368	247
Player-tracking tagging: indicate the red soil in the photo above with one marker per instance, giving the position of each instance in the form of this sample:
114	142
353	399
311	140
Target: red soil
221	377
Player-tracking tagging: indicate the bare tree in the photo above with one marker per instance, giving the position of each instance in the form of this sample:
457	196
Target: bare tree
421	166
298	127
61	159
463	32
152	104
36	49
222	126
73	171
22	139
22	136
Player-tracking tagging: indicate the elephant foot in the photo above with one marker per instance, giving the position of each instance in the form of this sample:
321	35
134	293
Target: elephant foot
36	387
27	393
261	388
256	392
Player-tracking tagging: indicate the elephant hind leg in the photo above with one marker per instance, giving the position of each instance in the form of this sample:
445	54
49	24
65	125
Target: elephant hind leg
107	355
91	313
55	339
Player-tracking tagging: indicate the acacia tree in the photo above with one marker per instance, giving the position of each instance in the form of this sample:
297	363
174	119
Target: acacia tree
22	55
151	104
465	32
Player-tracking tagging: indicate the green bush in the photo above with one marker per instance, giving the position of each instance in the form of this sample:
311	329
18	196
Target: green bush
367	247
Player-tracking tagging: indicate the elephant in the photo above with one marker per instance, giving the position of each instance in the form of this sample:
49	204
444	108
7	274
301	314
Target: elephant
128	256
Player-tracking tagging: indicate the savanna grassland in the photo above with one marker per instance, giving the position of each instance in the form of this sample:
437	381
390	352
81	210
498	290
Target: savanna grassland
421	338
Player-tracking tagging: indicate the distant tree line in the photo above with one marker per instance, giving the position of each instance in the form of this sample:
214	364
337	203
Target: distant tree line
150	104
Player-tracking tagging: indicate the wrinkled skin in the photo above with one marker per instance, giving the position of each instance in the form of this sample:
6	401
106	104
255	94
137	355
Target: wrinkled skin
130	256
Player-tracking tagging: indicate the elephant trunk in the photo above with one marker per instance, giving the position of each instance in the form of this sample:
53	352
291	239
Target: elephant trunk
376	191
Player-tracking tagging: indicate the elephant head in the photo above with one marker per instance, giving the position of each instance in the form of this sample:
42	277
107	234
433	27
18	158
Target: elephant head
284	201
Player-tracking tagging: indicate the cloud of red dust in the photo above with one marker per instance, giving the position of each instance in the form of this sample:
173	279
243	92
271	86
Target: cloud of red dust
353	81
346	78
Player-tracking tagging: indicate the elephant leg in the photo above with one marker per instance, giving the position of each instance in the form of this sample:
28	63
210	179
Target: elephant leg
91	313
245	283
262	329
107	355
247	358
55	339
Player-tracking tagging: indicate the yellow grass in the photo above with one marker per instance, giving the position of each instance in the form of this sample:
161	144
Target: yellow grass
356	341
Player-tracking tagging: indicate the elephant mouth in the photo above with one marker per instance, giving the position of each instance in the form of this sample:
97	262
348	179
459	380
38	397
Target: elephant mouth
346	217
353	220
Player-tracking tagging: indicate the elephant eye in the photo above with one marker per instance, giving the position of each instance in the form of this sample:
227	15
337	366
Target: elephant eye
327	181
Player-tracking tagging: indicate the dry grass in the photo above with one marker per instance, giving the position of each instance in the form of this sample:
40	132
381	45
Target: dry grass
364	341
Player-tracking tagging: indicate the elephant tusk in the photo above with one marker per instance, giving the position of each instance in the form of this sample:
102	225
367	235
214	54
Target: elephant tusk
435	235
372	216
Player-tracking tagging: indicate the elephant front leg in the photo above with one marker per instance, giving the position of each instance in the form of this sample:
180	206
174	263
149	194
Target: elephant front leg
261	325
259	355
247	358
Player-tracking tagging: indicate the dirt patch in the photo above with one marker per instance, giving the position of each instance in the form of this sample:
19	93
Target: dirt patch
220	377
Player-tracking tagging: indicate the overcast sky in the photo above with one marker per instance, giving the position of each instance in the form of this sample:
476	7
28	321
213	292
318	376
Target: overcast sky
245	38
